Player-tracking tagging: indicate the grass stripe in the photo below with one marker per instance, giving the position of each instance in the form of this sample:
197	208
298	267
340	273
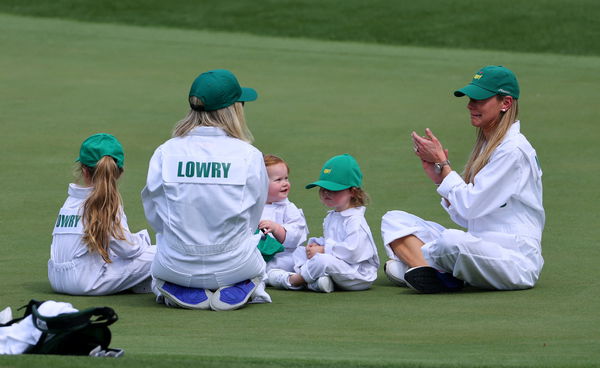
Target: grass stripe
540	26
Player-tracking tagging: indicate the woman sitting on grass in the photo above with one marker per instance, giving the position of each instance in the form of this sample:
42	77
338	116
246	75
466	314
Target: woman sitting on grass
498	200
204	195
93	252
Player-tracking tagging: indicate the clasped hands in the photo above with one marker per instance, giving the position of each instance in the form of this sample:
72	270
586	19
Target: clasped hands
429	149
314	248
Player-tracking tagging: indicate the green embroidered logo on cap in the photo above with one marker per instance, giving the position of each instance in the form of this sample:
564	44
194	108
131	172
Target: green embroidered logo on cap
339	173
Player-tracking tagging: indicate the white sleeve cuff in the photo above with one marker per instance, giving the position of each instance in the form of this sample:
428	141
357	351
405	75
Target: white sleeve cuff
449	182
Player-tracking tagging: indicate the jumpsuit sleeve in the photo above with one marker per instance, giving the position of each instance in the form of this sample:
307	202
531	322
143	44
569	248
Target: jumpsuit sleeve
458	219
257	187
320	240
492	187
295	227
133	246
153	198
354	248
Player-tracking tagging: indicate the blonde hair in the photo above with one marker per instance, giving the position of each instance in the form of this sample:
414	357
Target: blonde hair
484	147
231	119
271	160
359	197
102	209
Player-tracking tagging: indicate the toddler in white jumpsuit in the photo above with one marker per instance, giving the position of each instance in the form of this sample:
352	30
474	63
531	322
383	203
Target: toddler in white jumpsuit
345	256
75	266
281	218
500	204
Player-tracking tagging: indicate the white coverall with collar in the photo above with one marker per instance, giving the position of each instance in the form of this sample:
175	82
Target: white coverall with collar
286	214
350	256
502	212
204	195
73	269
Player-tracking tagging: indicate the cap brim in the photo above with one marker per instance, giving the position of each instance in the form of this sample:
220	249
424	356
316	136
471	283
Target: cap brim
474	92
329	185
248	94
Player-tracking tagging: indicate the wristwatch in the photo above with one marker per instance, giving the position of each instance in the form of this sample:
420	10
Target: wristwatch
440	165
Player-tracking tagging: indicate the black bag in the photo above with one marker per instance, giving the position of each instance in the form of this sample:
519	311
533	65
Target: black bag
79	333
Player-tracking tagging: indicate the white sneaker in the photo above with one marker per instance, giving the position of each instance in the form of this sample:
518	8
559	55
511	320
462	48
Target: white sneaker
324	284
395	270
234	296
184	297
280	279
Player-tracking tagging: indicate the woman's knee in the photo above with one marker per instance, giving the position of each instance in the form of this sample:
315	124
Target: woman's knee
398	219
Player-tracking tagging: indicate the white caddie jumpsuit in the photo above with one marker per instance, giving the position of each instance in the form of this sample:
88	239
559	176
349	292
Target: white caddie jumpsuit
502	212
286	214
73	269
350	257
204	196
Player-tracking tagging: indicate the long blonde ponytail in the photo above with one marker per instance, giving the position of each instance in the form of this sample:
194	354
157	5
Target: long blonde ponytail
102	209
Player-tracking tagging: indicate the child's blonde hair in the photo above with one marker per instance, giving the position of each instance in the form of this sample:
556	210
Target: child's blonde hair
102	209
359	197
271	160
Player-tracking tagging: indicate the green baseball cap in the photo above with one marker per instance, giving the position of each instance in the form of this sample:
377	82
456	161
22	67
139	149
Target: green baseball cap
490	81
339	173
219	88
98	146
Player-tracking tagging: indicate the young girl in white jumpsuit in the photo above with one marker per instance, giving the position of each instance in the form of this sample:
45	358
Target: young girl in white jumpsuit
205	192
93	252
498	200
345	256
281	218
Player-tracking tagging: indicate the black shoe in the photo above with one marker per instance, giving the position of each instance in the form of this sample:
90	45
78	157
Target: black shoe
428	280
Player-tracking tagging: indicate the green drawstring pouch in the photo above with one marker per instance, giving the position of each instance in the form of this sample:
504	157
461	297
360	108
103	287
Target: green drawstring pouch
269	246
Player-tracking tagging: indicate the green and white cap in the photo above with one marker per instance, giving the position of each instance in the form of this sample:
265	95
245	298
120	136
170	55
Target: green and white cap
339	173
490	81
98	146
219	88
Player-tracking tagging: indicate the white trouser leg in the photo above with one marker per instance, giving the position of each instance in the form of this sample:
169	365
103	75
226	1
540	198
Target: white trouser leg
283	261
398	224
343	275
482	263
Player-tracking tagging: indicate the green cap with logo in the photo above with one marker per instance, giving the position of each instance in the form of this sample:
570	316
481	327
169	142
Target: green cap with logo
339	173
219	88
490	81
98	146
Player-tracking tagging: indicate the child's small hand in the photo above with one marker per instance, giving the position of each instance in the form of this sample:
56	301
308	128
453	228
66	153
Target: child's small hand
277	230
268	226
314	248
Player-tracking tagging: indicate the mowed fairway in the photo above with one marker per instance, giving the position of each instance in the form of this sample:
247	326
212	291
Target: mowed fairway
61	81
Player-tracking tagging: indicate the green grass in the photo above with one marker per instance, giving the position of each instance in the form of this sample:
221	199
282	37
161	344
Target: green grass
541	26
64	80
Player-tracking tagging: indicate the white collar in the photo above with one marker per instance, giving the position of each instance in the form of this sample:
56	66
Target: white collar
283	202
515	128
351	211
207	131
78	191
